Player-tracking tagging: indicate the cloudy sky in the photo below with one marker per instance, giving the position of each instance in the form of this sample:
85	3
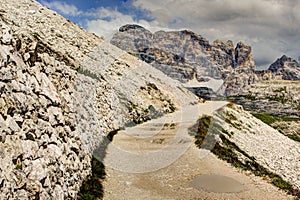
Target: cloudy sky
271	27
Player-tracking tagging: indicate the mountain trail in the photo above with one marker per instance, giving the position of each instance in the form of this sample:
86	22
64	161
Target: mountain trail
158	160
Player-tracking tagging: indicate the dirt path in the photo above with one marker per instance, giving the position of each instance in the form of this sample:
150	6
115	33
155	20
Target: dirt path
158	160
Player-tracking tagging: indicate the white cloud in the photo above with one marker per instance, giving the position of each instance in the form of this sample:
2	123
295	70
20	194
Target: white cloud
62	7
271	27
108	21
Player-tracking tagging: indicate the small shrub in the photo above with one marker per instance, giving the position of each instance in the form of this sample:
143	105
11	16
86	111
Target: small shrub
19	166
266	118
92	188
88	73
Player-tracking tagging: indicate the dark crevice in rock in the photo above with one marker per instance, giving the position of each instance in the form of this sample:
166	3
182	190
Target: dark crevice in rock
111	134
2	183
75	150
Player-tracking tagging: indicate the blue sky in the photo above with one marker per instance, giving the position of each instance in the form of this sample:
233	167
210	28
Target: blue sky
271	27
83	11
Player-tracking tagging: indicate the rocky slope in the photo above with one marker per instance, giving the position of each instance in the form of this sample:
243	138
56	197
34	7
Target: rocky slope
278	97
286	68
184	55
277	102
61	91
243	140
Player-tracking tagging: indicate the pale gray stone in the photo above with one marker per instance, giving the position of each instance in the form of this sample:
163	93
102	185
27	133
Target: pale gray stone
38	170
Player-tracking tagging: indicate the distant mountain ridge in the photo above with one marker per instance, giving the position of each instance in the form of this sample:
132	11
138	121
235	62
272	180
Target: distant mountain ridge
285	67
185	55
183	49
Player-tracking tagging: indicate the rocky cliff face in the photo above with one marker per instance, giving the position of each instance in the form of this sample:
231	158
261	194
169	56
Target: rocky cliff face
61	91
184	55
225	55
286	68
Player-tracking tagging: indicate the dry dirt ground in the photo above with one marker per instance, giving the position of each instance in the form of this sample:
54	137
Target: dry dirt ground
158	160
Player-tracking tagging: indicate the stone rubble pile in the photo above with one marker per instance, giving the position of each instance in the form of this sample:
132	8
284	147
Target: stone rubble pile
41	154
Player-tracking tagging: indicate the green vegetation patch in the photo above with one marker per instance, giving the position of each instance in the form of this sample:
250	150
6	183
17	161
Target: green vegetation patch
289	119
240	97
294	137
282	99
88	73
269	119
19	166
199	131
266	118
92	188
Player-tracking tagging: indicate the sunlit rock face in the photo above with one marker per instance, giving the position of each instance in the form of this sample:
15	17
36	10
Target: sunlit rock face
185	55
286	68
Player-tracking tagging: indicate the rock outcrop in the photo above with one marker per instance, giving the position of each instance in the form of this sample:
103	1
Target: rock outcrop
243	56
286	68
185	55
225	55
61	91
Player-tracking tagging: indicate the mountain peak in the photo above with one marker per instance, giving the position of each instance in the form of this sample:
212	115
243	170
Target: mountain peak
129	27
283	61
243	55
286	67
185	55
223	43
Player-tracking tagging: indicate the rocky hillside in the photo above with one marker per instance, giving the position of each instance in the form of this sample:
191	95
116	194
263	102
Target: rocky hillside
184	55
277	97
236	136
266	145
286	68
61	91
276	102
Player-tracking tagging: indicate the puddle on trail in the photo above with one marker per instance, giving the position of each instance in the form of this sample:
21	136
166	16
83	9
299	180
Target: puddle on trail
217	184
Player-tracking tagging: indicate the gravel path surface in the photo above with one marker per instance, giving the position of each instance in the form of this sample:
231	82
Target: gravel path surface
158	160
